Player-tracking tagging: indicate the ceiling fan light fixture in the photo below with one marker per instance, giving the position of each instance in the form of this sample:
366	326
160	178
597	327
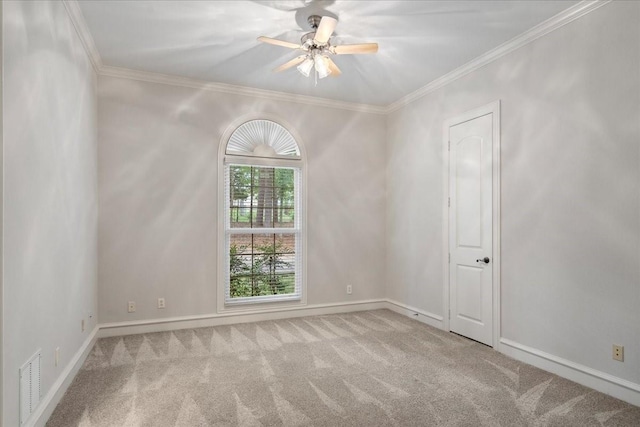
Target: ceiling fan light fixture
317	48
305	67
321	65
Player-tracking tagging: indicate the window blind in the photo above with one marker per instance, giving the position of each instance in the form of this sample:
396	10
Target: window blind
263	233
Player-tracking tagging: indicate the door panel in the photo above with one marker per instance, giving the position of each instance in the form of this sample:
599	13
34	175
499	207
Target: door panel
469	192
467	296
470	228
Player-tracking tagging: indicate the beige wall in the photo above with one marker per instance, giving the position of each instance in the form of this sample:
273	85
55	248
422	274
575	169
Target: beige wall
570	198
570	201
50	193
158	197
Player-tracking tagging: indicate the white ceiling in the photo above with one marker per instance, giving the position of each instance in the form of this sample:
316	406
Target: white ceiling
216	40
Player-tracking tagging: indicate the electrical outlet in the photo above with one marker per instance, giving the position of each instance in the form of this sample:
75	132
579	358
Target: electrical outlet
82	325
349	290
161	303
57	356
131	307
618	353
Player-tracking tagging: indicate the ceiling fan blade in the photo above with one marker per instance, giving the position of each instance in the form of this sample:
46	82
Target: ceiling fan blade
325	29
350	49
278	42
292	63
335	71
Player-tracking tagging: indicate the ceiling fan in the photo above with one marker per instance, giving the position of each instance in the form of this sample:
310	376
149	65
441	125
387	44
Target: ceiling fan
318	49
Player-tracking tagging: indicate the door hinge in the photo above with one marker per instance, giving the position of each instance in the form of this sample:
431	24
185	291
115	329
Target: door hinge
449	202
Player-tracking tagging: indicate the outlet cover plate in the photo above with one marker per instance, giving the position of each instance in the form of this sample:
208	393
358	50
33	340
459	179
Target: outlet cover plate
618	353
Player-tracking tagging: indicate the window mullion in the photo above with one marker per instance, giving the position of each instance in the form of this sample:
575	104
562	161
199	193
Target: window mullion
279	269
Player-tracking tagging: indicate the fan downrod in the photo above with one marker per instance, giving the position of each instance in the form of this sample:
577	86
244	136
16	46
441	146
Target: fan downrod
314	21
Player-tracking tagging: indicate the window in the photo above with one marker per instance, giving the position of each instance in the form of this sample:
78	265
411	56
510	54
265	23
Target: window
262	215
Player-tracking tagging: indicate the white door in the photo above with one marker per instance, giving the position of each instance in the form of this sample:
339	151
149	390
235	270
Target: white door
470	228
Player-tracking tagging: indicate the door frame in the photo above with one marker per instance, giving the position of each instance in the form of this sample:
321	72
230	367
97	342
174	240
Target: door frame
491	108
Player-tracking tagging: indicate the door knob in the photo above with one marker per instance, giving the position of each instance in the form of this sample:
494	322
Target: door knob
485	260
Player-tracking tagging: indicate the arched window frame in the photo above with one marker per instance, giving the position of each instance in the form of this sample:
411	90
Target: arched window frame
297	162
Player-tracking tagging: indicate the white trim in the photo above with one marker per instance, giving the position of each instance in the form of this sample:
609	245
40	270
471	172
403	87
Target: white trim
228	318
263	161
497	222
551	24
248	156
494	109
264	230
614	386
80	24
446	258
423	316
166	79
59	387
592	378
301	164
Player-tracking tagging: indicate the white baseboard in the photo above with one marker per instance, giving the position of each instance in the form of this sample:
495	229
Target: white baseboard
423	316
597	380
59	387
174	323
592	378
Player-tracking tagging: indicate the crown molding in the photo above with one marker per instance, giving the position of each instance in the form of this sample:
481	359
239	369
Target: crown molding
77	19
551	24
79	23
147	76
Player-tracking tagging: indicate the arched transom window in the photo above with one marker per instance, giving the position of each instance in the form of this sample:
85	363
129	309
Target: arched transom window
262	214
263	138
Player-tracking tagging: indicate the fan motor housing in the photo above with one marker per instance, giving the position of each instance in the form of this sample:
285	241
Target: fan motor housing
307	41
314	21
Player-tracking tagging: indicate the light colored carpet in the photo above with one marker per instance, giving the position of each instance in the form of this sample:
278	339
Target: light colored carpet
372	368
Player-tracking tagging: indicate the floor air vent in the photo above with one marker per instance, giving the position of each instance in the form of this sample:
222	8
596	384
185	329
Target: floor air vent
29	387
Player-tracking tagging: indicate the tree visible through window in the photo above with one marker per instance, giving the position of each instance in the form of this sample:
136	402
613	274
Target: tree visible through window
262	216
261	264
